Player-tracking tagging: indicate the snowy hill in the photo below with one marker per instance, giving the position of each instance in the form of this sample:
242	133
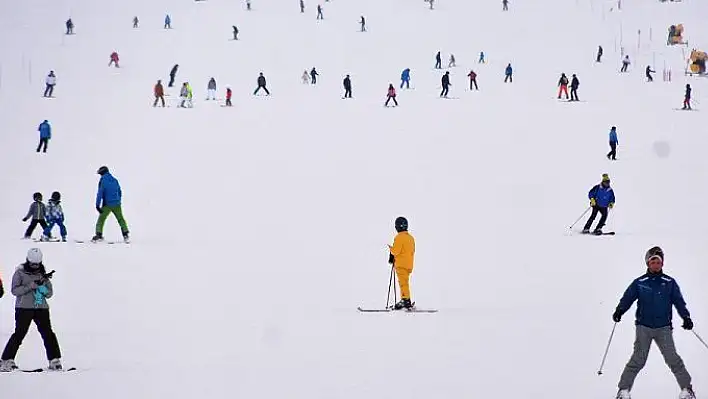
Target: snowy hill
258	229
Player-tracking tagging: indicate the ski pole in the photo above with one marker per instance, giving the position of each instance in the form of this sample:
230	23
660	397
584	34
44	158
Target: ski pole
581	216
390	282
700	339
604	357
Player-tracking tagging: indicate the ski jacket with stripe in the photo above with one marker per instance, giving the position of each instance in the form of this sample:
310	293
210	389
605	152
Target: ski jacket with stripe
655	294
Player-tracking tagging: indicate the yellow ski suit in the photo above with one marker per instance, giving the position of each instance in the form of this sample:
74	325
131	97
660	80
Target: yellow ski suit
403	251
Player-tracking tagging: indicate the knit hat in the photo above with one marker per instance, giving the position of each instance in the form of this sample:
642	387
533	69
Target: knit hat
605	177
654	252
34	256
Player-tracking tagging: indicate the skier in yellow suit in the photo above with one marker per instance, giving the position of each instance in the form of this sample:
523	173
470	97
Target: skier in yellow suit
401	257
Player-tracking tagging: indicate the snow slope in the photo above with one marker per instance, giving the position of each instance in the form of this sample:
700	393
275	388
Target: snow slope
257	230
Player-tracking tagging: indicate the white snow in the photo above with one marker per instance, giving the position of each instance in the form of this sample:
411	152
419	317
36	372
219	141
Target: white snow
258	230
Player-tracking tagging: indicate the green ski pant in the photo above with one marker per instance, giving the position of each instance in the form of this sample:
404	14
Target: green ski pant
107	210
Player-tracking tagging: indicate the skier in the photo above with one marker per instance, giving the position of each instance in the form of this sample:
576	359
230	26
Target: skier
574	84
473	80
391	95
319	12
37	212
362	22
614	142
108	200
687	98
305	77
599	54
431	3
235	32
173	73
45	134
248	5
69	27
183	94
648	73
2	292
51	81
302	6
625	64
401	255
261	85
451	63
438	61
114	59
445	81
602	198
187	95
159	94
313	75
508	74
211	89
32	286
563	84
168	21
481	58
135	22
347	87
55	216
505	5
406	78
656	293
228	96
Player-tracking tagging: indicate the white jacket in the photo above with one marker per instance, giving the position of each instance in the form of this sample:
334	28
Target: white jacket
51	80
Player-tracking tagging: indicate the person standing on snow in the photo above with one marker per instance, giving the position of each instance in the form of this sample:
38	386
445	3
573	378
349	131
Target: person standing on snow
347	87
438	61
508	72
211	89
406	78
38	213
319	12
445	81
362	22
305	77
51	81
45	134
574	84
159	94
656	293
602	198
228	96
173	74
687	98
625	64
481	58
648	73
505	5
261	85
599	54
69	27
108	200
31	285
614	142
313	75
401	256
302	6
452	63
168	21
391	95
135	22
55	216
563	86
473	80
114	60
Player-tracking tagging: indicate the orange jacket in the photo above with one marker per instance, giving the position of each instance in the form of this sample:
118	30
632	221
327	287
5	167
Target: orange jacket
403	250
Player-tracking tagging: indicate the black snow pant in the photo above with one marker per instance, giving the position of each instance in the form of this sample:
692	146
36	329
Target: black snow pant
33	225
509	78
613	151
23	319
158	98
438	64
624	67
599	57
228	102
593	215
444	91
389	99
649	78
43	143
347	92
48	90
473	83
313	80
172	81
259	89
574	94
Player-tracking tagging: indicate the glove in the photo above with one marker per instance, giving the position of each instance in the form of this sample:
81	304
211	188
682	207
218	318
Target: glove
612	204
617	316
24	219
99	209
391	259
593	202
687	324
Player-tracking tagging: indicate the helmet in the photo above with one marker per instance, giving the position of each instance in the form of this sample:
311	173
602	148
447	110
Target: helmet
654	252
34	255
37	196
102	170
401	224
56	196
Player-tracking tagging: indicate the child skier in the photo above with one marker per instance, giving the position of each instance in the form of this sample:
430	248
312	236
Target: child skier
159	92
687	98
211	89
114	59
481	58
602	198
563	86
45	134
32	286
451	63
55	216
391	96
401	255
614	142
50	81
473	80
508	72
37	212
305	77
228	96
406	78
625	64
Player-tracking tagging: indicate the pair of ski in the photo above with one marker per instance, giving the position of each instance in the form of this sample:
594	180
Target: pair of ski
390	310
604	233
41	370
100	242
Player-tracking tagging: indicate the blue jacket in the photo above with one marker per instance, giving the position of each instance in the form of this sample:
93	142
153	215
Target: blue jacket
45	131
108	191
655	293
509	70
613	137
168	19
406	74
603	196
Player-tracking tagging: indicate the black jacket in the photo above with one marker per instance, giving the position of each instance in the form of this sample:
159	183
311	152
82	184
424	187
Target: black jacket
446	80
261	81
574	83
347	83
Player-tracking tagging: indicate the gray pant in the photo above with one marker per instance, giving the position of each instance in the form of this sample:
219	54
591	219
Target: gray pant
665	341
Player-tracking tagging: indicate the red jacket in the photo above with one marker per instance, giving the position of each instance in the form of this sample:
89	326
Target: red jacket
392	92
228	94
472	75
114	56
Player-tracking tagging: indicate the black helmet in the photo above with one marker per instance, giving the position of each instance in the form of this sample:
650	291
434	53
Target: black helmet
37	196
654	252
102	170
56	196
401	224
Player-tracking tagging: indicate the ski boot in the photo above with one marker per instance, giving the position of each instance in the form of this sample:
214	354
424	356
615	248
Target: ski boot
97	238
687	393
63	238
405	303
44	238
126	237
7	366
597	232
55	365
623	394
586	231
